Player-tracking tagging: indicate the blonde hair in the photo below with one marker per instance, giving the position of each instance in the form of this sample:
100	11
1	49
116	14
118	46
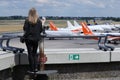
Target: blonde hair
32	15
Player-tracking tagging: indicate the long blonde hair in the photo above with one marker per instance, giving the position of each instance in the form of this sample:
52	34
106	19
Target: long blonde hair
32	15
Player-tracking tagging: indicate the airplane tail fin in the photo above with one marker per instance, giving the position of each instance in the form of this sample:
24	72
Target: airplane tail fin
69	24
87	31
85	28
52	26
76	24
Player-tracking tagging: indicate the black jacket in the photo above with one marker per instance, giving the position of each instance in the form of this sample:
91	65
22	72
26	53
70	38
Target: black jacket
32	31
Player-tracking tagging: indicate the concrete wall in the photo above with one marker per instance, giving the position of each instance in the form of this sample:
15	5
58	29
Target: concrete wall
16	64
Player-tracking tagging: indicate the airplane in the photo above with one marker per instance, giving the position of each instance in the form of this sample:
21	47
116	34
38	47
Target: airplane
107	27
58	32
92	27
88	31
62	33
66	31
76	27
69	28
102	27
55	32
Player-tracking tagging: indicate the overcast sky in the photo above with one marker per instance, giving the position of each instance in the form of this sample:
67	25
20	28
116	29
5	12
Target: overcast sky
82	8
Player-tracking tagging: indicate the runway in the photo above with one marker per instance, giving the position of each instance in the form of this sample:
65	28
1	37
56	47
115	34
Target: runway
64	43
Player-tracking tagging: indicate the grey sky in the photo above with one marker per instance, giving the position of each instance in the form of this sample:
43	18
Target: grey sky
85	8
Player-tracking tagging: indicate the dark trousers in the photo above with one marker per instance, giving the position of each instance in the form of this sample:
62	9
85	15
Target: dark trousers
32	54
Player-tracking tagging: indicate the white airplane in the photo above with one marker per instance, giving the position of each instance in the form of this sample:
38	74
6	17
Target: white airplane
54	28
60	33
69	28
88	31
92	27
76	27
106	27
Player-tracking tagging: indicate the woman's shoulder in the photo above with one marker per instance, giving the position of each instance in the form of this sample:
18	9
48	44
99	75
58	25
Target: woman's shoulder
26	20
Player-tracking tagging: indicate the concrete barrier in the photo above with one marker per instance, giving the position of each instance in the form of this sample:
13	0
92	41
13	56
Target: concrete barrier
56	56
8	60
115	55
63	56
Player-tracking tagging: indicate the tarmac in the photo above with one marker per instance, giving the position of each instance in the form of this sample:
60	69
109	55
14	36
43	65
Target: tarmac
64	43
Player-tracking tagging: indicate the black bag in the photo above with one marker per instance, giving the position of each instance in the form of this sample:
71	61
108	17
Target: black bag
22	39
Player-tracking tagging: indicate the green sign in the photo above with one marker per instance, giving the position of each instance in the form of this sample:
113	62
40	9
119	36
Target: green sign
74	57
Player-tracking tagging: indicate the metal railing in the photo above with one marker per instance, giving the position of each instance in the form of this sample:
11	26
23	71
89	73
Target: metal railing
7	38
101	44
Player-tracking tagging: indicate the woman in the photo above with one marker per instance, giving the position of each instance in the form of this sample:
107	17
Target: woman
32	29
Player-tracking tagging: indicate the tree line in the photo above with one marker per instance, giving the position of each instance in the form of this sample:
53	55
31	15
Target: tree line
61	18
